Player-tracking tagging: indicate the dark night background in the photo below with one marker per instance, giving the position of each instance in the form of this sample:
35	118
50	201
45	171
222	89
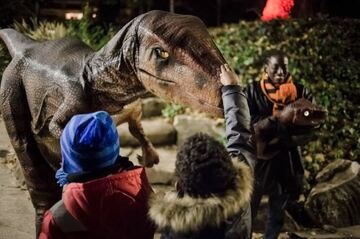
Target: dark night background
212	12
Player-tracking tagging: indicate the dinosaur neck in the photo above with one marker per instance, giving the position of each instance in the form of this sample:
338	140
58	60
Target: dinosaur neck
111	73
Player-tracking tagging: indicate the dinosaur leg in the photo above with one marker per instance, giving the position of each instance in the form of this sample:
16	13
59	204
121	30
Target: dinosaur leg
39	177
149	155
132	114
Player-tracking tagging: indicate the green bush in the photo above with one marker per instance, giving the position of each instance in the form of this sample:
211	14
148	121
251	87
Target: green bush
94	35
324	55
171	110
85	29
42	31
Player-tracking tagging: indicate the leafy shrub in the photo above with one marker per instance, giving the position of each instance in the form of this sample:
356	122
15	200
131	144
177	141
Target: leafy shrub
324	55
42	31
171	110
92	34
85	29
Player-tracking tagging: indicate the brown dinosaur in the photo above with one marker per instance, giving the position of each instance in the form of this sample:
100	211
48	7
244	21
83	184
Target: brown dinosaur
298	119
46	83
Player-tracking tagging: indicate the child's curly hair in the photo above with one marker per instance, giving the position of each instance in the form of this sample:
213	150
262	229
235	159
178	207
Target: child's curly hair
204	167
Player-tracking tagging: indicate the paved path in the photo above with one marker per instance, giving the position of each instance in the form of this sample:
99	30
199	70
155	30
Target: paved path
17	213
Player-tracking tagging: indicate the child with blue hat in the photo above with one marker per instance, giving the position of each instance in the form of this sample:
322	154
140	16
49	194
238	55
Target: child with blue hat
104	195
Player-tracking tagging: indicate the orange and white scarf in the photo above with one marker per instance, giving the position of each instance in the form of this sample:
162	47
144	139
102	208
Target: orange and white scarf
280	95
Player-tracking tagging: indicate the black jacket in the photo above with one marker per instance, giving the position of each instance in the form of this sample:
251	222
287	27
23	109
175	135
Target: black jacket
284	169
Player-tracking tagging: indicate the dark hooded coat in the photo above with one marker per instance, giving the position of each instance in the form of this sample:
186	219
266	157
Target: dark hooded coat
224	216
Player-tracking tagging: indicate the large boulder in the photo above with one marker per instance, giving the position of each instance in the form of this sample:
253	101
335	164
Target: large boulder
335	199
188	125
334	233
152	107
158	130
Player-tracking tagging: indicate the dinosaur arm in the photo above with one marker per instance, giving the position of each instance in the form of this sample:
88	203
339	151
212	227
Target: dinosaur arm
74	103
59	120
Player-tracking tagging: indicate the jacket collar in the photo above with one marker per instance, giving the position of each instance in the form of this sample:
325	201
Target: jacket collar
188	214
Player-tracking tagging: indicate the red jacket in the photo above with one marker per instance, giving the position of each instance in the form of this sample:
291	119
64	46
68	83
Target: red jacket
111	207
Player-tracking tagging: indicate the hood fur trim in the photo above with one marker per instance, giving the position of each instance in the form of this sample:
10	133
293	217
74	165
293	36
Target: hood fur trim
188	214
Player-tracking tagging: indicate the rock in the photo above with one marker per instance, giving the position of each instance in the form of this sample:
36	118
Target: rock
162	173
335	199
188	125
339	233
157	130
126	151
152	107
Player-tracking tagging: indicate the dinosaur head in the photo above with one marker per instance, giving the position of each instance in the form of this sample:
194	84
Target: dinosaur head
303	113
308	114
178	61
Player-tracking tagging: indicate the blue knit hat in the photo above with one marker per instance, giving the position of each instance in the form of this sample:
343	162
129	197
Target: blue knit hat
89	142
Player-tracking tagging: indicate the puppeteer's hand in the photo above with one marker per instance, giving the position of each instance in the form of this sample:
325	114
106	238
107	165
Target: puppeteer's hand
227	76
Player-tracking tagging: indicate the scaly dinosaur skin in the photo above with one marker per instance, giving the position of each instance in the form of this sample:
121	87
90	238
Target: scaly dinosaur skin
46	83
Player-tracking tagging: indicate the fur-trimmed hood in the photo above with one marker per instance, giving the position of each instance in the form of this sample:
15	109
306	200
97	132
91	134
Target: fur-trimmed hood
188	214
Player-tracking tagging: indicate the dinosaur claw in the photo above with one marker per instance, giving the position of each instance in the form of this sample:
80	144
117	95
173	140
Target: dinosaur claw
149	157
140	159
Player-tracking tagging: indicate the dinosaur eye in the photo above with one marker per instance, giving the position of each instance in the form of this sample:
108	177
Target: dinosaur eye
306	113
161	53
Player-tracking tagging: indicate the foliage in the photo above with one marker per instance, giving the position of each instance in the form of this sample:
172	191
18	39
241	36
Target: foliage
171	110
92	34
324	55
42	31
85	29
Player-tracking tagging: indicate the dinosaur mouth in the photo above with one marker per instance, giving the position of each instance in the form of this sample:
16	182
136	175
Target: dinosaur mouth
205	106
170	82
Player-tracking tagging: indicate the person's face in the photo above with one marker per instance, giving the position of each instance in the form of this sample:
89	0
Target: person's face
277	69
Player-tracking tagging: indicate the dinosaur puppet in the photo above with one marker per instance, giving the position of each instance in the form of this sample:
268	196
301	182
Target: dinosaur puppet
298	120
46	83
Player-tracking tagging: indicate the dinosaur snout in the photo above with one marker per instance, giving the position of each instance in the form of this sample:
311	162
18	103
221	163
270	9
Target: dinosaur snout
312	116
